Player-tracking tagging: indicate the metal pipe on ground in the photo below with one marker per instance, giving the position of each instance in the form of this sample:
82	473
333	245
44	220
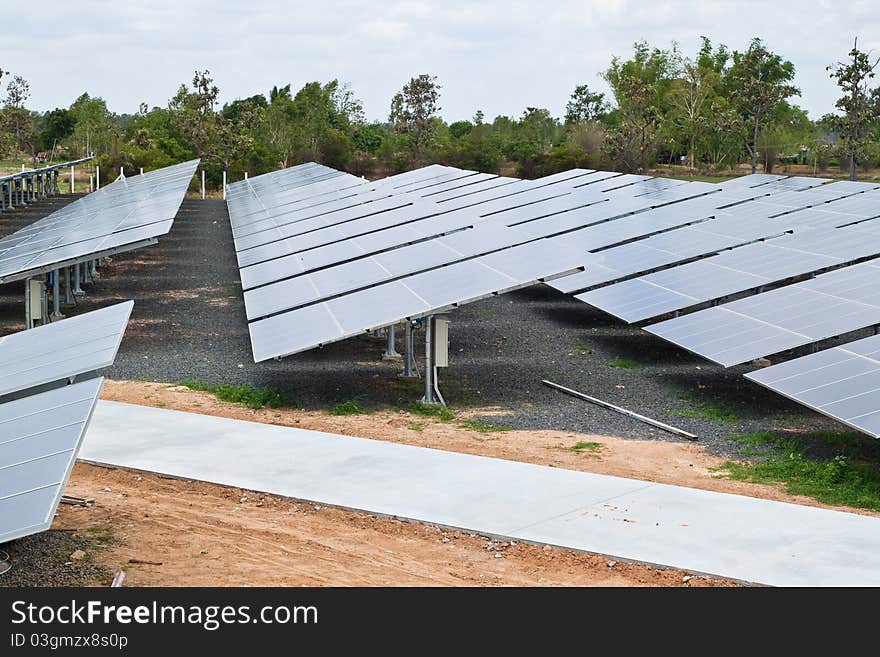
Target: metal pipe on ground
622	411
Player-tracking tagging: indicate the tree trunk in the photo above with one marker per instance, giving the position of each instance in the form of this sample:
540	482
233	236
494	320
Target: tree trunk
852	166
755	147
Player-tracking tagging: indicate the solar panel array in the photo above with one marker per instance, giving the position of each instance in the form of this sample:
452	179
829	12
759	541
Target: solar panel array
331	256
127	213
324	255
45	416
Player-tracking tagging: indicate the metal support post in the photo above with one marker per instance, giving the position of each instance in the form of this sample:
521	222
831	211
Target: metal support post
72	177
77	278
203	184
390	348
224	185
410	358
56	295
97	177
429	361
68	292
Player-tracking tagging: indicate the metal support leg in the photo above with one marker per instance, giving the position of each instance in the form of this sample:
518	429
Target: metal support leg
44	305
68	292
56	295
410	358
429	361
390	348
77	278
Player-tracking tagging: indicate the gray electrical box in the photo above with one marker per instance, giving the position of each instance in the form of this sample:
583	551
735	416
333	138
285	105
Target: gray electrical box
441	342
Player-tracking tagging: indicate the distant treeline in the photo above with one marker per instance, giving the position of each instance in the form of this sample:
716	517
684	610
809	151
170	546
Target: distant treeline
710	112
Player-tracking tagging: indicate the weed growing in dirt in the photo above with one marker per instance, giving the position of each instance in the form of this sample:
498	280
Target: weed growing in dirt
625	363
246	395
350	407
580	345
416	426
585	447
483	427
839	479
432	410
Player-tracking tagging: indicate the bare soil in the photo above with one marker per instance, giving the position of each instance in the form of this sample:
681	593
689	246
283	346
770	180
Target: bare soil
197	534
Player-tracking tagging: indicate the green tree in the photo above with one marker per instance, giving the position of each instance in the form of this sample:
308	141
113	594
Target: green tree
17	119
585	105
859	111
641	87
413	109
758	81
692	96
57	125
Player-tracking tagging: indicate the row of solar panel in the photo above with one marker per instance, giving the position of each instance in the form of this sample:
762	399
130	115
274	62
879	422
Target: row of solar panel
129	211
44	414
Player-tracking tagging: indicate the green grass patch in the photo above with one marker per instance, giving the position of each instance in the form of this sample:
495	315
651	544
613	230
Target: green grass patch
432	410
350	407
714	412
415	425
625	363
840	479
245	395
481	426
585	447
580	345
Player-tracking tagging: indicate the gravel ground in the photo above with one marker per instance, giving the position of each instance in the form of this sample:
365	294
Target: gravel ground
189	323
44	559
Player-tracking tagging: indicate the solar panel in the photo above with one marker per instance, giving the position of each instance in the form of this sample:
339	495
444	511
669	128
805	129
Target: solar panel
741	269
730	227
425	293
126	213
40	437
842	383
829	305
61	350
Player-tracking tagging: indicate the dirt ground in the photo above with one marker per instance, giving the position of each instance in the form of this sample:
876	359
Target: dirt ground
198	534
679	463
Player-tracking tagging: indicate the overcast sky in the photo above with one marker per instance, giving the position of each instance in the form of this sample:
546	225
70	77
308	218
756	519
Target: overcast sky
498	56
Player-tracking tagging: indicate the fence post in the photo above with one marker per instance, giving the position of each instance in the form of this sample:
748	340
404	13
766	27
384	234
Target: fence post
203	184
224	185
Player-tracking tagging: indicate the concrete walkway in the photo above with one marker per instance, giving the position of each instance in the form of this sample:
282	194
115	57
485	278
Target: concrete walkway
729	535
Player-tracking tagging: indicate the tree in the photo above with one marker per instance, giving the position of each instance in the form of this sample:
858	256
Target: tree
57	125
17	119
92	118
413	109
641	88
856	103
693	94
194	111
758	81
585	105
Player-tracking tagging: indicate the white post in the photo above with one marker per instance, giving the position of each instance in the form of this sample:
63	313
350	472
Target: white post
203	184
72	176
224	185
245	175
97	177
91	184
121	173
142	171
